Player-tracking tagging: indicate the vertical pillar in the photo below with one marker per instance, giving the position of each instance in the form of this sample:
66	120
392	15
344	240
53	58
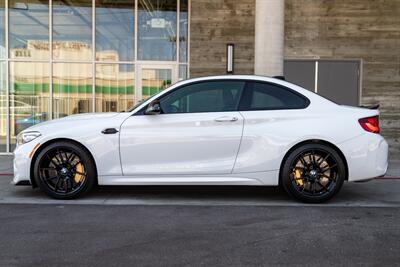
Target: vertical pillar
269	37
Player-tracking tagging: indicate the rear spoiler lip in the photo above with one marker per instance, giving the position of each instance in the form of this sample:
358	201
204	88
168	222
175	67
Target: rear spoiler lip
371	106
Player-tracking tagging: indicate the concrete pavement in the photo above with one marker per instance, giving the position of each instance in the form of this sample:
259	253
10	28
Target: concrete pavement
376	193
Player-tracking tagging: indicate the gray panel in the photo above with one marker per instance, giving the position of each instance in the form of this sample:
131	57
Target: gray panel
338	81
300	72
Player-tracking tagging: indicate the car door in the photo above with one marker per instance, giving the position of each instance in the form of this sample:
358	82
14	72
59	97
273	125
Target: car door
198	132
274	116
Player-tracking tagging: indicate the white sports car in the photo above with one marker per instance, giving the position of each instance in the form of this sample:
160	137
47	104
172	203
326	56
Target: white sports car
220	130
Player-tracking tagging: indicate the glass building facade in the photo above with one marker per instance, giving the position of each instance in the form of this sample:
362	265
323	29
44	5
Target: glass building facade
59	58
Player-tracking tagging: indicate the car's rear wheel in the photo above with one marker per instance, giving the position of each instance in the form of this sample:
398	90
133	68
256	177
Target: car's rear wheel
64	170
313	173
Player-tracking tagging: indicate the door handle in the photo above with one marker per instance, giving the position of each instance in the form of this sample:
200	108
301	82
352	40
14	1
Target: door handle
109	131
226	119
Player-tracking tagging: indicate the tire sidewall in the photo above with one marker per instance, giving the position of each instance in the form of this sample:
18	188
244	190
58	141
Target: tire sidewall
286	171
84	157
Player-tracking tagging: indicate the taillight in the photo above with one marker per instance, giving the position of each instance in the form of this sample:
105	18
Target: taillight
370	124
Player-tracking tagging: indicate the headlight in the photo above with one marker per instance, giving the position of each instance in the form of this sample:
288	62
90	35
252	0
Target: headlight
26	137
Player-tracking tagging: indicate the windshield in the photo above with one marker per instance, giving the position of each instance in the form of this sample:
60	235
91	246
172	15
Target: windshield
135	106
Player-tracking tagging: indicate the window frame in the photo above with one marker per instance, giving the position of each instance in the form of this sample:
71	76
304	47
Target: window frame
242	105
247	96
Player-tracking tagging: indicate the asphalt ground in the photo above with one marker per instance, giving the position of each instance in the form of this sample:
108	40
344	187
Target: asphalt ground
154	235
200	226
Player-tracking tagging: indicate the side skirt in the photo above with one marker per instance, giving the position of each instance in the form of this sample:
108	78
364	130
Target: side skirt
256	179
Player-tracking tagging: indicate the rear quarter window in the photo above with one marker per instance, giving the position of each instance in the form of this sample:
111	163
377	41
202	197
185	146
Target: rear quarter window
268	96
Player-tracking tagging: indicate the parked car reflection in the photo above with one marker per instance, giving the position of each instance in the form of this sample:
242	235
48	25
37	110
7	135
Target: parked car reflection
33	119
18	110
16	107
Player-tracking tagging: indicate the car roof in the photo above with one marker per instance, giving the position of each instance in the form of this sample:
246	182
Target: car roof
231	76
273	80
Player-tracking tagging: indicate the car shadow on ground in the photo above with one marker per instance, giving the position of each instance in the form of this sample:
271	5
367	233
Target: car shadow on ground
195	192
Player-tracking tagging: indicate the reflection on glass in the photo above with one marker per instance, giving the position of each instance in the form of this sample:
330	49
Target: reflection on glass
115	30
72	29
183	30
154	81
2	30
29	29
115	88
29	95
72	89
183	75
3	108
157	29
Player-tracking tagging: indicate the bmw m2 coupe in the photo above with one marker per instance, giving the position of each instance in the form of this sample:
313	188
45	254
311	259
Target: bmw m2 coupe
220	130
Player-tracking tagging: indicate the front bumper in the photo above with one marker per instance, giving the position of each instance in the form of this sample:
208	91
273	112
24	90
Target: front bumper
366	155
22	163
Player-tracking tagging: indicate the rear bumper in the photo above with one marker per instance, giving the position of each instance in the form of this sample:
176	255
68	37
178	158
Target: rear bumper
366	155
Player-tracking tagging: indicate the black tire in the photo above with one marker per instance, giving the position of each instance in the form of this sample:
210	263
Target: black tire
64	170
313	173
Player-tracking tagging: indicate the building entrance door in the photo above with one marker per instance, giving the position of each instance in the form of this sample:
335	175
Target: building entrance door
153	78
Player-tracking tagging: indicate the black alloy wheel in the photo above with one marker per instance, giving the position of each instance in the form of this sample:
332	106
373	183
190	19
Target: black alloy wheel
313	173
64	170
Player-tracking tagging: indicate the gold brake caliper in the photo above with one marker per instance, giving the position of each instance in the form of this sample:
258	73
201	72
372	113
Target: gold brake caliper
297	177
79	169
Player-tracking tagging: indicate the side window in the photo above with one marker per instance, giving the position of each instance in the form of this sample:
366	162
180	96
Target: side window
210	96
266	96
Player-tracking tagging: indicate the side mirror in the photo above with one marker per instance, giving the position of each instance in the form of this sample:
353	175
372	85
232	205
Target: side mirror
154	108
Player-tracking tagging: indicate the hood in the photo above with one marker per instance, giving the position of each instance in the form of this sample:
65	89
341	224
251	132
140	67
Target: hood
75	118
89	116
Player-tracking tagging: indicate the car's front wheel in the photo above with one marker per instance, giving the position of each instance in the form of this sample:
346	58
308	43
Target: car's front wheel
64	170
313	173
